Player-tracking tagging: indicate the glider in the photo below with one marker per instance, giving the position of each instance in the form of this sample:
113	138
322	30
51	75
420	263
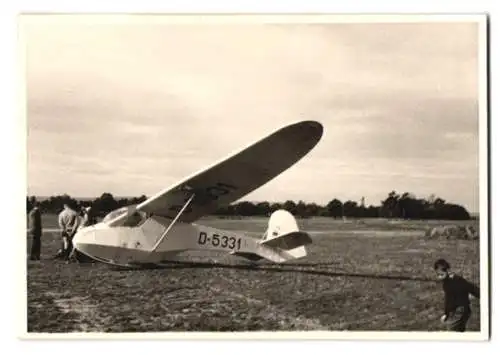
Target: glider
157	229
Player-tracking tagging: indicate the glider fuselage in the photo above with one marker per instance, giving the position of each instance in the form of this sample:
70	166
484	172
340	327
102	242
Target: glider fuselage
126	245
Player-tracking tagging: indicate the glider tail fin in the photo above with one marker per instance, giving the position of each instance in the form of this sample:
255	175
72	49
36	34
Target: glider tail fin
283	233
281	242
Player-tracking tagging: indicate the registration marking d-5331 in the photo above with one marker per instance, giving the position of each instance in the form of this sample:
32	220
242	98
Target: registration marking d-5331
218	240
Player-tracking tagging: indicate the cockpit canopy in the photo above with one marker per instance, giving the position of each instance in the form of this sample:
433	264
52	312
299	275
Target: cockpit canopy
134	219
113	214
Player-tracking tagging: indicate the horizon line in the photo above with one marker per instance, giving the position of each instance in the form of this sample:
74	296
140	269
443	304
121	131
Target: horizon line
241	200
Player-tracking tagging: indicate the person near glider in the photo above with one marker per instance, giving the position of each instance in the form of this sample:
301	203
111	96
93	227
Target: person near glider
87	217
35	229
457	290
69	221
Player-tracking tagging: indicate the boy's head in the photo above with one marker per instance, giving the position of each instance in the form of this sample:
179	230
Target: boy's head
441	267
32	203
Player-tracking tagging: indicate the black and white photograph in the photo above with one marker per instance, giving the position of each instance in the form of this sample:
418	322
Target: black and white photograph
297	175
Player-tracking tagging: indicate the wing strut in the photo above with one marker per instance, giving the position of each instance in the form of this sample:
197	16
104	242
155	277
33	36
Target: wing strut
173	222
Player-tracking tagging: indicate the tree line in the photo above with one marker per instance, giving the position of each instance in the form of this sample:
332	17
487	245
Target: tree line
405	206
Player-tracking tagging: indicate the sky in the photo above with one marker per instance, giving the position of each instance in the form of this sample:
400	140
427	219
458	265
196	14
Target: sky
133	104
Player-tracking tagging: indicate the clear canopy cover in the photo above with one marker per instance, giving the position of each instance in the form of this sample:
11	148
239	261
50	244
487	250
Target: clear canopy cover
135	218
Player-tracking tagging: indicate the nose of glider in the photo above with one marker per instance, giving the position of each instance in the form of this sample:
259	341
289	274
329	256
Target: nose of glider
83	239
99	243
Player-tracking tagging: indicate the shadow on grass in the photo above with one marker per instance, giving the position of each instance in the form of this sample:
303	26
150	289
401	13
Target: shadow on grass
278	268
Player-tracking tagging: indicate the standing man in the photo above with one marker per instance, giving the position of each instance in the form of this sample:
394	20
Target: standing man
69	221
456	289
87	217
35	229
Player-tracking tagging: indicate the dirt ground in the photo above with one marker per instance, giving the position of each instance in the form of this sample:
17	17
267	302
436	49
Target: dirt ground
359	275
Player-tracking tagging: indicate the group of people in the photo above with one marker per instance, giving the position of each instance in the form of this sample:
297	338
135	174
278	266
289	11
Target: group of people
457	290
70	220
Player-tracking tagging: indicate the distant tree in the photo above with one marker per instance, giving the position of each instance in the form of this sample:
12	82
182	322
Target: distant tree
263	208
122	202
228	210
245	208
137	200
439	202
350	209
405	205
451	212
334	208
312	209
290	206
371	212
105	204
275	206
301	209
55	204
390	206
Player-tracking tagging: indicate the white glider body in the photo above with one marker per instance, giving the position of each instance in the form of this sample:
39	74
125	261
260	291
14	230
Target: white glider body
163	225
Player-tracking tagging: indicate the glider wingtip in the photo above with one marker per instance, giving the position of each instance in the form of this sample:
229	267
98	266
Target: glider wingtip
312	125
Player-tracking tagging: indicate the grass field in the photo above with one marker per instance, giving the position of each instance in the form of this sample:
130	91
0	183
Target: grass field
359	275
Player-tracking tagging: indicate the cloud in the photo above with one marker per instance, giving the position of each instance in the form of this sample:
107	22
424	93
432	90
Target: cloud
143	99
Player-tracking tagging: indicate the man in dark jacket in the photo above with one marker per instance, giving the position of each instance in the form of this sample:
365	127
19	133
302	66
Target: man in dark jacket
35	229
456	289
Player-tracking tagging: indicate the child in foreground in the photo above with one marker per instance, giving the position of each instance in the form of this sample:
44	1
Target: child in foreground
456	297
